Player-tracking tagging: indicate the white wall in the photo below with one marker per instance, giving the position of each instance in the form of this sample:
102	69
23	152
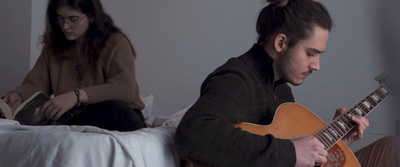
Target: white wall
388	27
14	42
179	42
37	29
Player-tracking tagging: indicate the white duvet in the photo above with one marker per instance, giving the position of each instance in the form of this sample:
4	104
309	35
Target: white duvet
87	146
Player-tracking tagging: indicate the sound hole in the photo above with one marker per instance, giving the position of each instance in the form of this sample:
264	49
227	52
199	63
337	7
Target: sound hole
336	157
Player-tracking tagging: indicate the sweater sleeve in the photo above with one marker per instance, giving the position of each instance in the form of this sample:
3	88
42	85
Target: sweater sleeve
118	69
206	134
36	80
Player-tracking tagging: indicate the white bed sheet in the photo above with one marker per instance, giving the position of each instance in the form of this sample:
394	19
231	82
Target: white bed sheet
87	146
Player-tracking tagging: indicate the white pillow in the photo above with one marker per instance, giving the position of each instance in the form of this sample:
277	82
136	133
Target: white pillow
169	120
148	103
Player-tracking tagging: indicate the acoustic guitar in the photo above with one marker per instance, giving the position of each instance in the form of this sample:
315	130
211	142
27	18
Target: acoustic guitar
287	125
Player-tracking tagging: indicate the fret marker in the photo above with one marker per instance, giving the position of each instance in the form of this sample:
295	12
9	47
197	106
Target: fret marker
342	125
333	132
375	97
359	112
330	138
350	115
384	90
366	104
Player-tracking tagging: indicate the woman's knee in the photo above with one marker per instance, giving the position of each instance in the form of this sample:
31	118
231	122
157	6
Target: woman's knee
113	115
112	104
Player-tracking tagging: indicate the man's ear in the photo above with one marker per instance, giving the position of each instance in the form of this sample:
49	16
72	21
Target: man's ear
280	42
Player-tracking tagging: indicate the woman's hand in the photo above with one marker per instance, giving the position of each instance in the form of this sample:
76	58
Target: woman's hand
13	100
57	106
357	132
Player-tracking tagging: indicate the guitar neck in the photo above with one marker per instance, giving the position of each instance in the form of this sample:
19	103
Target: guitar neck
343	123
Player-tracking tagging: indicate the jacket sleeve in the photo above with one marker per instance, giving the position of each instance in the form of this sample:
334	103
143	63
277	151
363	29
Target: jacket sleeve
206	134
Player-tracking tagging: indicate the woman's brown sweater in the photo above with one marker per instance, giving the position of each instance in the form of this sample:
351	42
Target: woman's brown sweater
112	77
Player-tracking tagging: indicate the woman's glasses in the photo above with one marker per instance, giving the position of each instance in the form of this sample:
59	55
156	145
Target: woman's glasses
72	21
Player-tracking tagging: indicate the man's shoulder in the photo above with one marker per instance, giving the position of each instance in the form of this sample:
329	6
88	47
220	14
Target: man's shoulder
234	64
241	64
233	70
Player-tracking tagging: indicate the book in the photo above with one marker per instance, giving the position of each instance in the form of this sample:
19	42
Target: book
29	112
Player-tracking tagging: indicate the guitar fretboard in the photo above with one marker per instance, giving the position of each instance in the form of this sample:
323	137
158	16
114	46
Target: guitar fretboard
343	123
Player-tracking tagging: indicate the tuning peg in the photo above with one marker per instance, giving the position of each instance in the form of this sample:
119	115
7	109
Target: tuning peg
381	78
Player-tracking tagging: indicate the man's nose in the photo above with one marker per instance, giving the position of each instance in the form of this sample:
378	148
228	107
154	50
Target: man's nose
315	64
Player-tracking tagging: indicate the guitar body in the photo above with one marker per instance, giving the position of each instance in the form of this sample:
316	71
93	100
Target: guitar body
293	121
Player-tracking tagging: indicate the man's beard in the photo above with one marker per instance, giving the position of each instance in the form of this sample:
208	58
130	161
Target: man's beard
285	68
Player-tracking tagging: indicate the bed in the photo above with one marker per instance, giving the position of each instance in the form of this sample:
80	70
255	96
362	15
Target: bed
76	146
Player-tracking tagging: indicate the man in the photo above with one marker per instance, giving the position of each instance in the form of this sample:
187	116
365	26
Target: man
292	36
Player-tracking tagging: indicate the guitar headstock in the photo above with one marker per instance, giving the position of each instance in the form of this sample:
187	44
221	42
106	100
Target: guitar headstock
382	78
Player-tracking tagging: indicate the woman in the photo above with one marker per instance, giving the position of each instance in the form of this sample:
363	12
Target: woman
88	64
